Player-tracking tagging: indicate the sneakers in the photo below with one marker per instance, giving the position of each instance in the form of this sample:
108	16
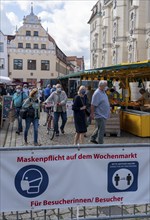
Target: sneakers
17	132
37	144
62	131
94	141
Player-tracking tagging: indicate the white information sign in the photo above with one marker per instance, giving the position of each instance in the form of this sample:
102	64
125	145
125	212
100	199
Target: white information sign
47	179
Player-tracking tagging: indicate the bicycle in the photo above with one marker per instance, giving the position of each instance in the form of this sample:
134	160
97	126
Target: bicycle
50	121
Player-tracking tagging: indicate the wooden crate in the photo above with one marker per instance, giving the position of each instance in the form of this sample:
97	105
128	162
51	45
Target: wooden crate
113	125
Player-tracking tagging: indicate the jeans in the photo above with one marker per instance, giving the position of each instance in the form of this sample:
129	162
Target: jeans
19	119
56	119
100	130
35	122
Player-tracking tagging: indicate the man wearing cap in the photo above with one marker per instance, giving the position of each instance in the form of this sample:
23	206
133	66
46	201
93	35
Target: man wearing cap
17	101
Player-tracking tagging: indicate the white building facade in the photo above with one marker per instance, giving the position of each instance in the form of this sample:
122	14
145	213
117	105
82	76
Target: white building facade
3	55
119	32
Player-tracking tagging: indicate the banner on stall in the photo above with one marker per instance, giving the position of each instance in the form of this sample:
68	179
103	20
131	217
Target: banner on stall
47	179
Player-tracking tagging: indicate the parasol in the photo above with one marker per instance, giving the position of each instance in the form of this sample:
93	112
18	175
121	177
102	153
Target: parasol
5	79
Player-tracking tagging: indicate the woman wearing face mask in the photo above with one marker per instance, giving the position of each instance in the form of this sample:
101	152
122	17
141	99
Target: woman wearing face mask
59	98
79	105
17	101
33	115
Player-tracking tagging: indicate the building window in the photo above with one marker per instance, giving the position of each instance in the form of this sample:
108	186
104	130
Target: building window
28	33
44	64
2	63
1	47
35	46
20	45
28	45
31	64
43	46
18	64
36	33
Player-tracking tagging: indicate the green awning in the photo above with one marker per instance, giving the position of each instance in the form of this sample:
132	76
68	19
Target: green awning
118	67
71	75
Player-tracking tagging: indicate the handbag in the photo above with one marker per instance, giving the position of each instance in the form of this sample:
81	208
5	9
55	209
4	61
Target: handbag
23	113
87	113
30	112
86	110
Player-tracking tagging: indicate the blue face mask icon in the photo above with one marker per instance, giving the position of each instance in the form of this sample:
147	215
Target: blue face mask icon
31	181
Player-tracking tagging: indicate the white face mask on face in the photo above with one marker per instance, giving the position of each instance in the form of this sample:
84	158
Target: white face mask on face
106	88
58	89
18	90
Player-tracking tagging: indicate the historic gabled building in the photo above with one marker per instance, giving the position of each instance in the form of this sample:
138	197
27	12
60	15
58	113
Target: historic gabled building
3	55
76	63
33	55
119	32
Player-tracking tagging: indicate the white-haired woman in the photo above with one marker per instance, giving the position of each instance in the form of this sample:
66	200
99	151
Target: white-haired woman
80	103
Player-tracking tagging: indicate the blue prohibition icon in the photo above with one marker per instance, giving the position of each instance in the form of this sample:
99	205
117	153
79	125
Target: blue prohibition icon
31	181
122	176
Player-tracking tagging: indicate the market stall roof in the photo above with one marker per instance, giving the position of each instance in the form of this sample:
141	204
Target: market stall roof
131	69
71	75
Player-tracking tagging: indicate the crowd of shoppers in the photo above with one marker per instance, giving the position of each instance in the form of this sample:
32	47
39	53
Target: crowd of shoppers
86	106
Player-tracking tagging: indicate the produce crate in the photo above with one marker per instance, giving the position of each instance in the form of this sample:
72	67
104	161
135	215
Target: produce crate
113	125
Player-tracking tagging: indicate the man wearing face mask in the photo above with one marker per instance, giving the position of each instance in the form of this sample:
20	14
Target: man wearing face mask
100	111
17	101
59	98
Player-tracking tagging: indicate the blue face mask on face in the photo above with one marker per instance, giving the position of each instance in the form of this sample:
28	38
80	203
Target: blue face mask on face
83	92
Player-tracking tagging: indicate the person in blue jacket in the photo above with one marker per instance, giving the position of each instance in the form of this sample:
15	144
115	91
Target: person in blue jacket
17	101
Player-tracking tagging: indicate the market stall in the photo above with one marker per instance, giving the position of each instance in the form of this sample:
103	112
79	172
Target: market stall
127	78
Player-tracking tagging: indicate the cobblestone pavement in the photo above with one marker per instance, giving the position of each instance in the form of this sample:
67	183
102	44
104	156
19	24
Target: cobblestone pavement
9	138
12	139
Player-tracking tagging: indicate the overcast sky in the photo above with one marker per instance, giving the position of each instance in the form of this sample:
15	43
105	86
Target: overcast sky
66	22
